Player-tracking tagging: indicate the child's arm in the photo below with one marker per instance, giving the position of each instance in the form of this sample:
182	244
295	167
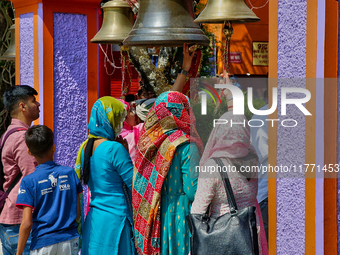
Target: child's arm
25	228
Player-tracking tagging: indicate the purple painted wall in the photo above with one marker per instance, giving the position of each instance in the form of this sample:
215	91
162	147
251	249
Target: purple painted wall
26	49
338	139
70	85
319	128
41	62
291	142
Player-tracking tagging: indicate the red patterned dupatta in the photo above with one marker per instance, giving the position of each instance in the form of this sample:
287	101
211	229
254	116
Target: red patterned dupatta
166	127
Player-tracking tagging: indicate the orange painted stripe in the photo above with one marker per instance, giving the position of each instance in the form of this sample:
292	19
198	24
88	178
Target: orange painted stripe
272	132
19	11
36	52
17	48
65	3
310	182
330	126
311	49
48	80
24	4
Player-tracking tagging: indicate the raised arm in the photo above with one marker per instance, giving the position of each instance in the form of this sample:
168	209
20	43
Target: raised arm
181	78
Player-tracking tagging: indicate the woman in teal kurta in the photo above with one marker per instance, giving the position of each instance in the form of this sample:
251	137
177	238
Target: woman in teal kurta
178	193
108	227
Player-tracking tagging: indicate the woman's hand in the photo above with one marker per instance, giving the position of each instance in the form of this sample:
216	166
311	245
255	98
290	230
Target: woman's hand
187	58
181	78
226	80
123	142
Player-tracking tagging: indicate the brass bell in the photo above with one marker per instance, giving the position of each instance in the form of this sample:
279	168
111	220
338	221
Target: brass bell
117	23
219	11
9	54
165	23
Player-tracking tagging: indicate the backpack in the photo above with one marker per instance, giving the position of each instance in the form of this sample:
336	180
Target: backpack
4	194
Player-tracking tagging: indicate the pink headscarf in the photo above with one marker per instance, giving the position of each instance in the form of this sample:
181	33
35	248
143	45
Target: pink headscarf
226	141
131	134
127	129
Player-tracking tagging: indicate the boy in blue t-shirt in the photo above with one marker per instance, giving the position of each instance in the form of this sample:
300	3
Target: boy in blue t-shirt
49	199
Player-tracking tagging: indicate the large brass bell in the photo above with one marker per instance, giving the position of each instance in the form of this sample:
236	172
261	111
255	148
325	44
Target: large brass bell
117	23
9	54
219	11
165	23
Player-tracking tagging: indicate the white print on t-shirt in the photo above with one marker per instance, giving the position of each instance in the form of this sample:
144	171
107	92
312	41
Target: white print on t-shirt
53	180
64	187
45	191
42	181
21	191
63	176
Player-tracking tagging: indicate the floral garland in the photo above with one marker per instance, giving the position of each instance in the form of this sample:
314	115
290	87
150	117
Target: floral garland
161	78
152	76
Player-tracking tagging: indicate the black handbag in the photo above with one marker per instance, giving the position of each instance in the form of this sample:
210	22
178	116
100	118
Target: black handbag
233	233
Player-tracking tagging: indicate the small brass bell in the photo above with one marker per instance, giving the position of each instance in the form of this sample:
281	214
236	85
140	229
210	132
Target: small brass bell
117	23
165	23
219	11
9	54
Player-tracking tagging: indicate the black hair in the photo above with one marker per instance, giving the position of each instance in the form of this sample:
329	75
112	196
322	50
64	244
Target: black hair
140	92
14	94
129	98
39	140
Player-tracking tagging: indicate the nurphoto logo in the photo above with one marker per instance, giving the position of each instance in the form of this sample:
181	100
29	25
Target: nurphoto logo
238	105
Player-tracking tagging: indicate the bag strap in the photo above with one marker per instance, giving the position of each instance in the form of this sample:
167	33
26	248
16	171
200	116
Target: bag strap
2	143
16	180
87	156
4	138
227	186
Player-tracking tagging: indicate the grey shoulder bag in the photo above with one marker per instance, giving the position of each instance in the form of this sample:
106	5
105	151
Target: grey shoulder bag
233	233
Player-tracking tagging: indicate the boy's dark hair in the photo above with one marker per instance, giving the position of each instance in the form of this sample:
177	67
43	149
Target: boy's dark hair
129	98
14	94
39	140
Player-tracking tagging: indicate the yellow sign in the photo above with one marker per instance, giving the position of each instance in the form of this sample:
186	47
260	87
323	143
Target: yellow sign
260	53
